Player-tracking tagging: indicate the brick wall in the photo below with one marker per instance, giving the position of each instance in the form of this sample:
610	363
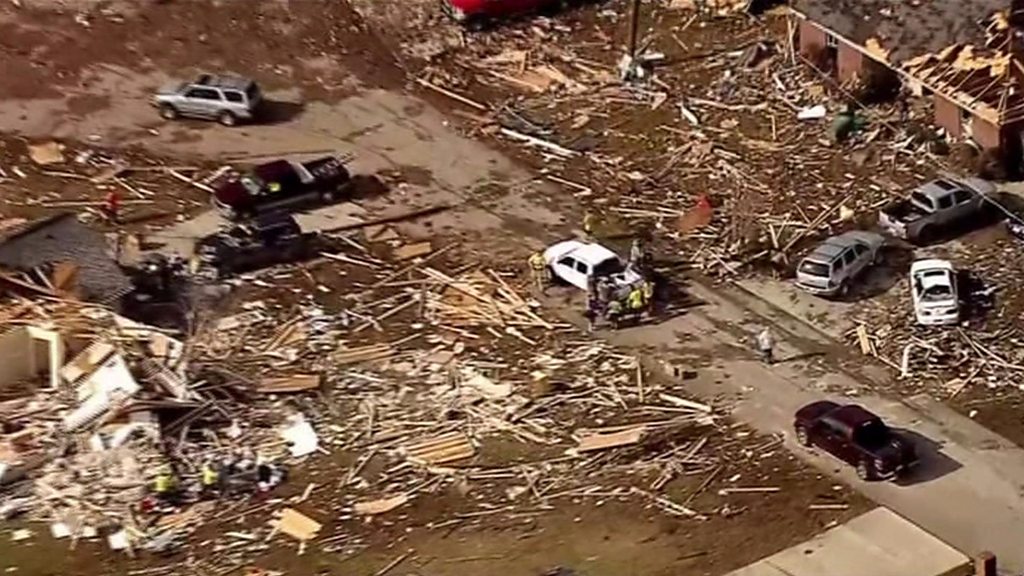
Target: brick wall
849	62
947	116
812	38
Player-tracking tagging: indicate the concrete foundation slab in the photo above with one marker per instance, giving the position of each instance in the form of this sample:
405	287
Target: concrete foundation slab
880	543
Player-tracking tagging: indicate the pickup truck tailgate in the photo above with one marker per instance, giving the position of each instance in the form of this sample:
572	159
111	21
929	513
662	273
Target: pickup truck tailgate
892	225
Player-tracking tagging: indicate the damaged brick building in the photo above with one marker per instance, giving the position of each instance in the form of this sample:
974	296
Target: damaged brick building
965	54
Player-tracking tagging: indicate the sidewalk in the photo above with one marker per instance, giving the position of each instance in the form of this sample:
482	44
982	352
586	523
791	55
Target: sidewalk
968	488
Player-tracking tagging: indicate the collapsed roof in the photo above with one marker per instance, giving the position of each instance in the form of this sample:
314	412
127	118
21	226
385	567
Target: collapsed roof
960	49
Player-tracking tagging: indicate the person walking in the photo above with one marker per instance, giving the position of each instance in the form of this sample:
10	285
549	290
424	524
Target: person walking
592	311
538	269
648	292
112	206
765	345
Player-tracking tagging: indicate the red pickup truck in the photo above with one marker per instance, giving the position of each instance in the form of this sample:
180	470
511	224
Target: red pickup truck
477	11
280	185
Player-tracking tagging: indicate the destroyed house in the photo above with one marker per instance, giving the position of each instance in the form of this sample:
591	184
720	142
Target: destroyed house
964	53
37	246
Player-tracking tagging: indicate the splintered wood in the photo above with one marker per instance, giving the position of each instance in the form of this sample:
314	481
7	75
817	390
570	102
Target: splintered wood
442	449
479	299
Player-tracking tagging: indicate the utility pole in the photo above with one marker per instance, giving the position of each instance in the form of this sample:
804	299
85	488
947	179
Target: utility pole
634	28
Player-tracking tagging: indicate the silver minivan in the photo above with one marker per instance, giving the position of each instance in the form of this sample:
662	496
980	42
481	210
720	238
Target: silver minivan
831	268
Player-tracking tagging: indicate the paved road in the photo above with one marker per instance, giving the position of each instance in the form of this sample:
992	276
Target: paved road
968	490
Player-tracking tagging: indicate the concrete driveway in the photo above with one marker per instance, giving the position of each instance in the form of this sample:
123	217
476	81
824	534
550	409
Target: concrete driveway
968	489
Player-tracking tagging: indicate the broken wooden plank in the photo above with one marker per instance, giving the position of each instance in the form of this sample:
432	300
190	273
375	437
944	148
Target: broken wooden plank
297	525
374	507
591	440
409	251
440	449
286	384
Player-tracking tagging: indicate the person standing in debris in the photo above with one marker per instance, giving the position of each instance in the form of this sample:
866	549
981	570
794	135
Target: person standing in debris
636	253
538	269
635	300
164	485
765	345
614	312
648	291
604	292
111	206
589	223
592	311
210	479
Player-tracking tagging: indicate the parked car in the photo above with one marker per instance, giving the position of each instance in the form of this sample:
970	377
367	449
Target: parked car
224	98
855	436
935	206
831	268
267	240
280	184
575	262
478	11
934	291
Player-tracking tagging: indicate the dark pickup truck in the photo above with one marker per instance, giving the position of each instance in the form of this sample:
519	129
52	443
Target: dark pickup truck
281	184
266	240
856	436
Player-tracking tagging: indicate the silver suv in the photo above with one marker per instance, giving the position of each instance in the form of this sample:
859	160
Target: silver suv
837	262
226	99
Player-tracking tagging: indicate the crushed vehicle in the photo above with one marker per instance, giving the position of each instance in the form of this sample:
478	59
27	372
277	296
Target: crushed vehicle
575	262
832	267
281	184
476	12
227	99
267	240
933	207
856	436
933	287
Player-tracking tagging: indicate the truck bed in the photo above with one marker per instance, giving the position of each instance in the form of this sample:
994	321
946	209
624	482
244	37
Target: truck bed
903	212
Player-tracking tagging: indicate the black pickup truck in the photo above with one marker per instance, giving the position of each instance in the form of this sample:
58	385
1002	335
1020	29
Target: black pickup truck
856	436
280	185
266	240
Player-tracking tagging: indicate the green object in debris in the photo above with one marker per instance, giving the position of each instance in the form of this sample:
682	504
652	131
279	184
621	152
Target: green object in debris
846	123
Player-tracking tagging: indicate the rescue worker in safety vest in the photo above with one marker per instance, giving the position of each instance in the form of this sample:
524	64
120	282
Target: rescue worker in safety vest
635	300
589	222
538	269
209	478
648	292
164	484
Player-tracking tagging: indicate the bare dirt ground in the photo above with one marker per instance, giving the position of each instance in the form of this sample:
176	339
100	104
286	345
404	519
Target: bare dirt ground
339	89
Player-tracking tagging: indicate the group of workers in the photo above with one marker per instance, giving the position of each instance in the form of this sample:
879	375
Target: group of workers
220	477
605	301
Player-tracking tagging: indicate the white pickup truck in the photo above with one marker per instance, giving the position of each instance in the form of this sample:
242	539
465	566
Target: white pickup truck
574	262
933	288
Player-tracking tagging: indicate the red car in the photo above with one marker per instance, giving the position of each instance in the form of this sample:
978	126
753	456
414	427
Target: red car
476	11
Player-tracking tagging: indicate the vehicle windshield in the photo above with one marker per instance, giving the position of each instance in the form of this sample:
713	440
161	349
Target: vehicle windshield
608	267
939	289
814	268
253	185
872	434
922	200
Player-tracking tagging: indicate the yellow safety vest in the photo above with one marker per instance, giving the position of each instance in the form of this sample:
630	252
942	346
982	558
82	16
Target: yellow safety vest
648	290
636	299
209	476
537	261
162	484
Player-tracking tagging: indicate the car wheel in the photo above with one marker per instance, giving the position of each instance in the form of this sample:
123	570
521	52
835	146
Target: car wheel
864	470
168	112
844	289
227	118
802	437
